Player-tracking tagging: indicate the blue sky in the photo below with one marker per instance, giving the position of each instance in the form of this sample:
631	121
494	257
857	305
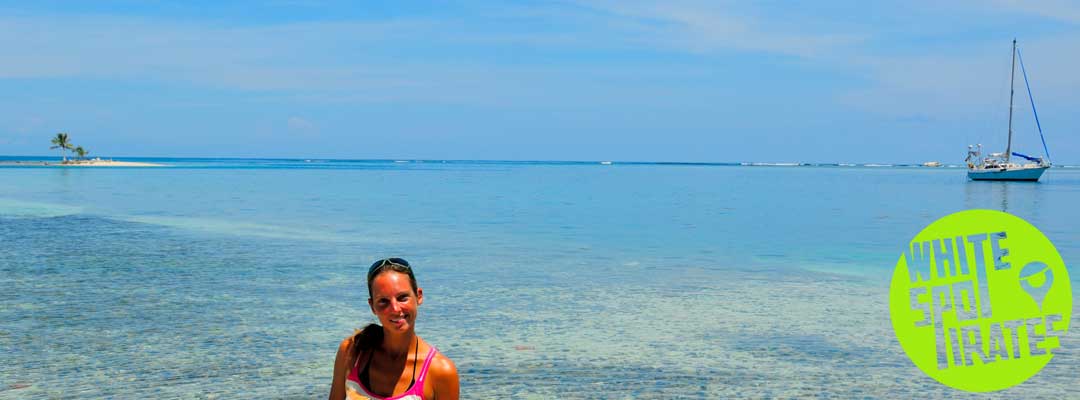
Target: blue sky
568	80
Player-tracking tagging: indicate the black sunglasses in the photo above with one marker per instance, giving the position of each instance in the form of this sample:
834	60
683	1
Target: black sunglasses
387	261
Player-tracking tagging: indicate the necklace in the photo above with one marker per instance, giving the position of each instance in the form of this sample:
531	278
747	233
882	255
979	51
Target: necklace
366	380
398	356
416	356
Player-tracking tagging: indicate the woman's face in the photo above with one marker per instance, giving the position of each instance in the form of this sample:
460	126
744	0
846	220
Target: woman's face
393	301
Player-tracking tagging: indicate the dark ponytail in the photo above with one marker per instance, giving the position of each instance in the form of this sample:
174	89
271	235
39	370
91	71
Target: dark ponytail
366	339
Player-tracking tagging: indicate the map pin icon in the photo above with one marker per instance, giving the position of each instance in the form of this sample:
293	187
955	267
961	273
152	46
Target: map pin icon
1036	278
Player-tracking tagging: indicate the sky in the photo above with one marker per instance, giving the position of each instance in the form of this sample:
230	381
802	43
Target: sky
682	81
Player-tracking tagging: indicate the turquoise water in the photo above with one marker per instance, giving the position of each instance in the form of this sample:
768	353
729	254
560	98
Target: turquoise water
238	278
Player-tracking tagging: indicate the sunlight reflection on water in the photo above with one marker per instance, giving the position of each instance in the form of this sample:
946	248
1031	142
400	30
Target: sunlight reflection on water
536	291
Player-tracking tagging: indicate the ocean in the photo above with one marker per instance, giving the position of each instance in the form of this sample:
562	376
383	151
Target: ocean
237	278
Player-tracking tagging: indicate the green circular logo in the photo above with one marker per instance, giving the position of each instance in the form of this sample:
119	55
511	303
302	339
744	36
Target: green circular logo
979	300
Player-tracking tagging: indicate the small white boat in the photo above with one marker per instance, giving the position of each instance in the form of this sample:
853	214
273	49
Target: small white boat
999	166
931	164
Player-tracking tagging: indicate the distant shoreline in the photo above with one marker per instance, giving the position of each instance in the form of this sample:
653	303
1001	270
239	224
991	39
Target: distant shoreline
36	161
82	163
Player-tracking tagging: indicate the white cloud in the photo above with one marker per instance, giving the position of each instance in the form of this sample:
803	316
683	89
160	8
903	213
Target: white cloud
968	80
281	57
301	126
1061	10
329	61
705	27
333	55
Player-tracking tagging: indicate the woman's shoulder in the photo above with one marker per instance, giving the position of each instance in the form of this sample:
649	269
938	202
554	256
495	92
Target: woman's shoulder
346	346
347	354
346	343
444	378
442	367
344	351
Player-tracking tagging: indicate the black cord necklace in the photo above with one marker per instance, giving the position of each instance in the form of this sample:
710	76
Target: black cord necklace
366	380
416	356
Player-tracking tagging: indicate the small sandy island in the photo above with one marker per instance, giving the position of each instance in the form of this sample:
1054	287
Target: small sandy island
105	163
96	162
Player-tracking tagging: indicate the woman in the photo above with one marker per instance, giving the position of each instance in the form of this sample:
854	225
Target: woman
390	361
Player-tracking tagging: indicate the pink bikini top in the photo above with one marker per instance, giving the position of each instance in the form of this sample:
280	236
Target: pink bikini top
355	390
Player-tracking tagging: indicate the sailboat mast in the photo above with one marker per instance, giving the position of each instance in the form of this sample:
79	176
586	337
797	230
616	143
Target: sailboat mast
1012	78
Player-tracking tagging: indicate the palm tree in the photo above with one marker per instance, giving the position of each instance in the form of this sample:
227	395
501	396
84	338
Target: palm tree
81	152
61	142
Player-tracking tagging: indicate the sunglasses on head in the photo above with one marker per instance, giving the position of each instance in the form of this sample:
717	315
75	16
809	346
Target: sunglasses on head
388	261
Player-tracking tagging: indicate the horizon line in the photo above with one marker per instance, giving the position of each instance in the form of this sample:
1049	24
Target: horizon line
596	161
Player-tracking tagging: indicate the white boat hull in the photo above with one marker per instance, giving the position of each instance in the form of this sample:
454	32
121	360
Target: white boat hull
1007	174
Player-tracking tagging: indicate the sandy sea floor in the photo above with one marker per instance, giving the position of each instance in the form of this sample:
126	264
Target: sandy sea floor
539	281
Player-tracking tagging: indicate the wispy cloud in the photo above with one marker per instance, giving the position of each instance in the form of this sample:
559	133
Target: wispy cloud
341	55
582	67
339	62
705	27
1060	10
301	126
966	80
280	57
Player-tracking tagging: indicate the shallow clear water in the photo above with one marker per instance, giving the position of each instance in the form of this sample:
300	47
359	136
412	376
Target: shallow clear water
238	278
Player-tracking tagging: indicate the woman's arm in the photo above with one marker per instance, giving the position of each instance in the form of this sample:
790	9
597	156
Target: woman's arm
341	370
445	378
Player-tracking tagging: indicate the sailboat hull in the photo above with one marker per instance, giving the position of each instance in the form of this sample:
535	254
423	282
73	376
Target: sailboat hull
1019	174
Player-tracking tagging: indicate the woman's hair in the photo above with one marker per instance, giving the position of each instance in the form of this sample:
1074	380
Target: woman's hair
390	264
371	336
365	339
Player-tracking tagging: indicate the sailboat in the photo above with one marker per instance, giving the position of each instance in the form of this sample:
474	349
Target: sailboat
1000	166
